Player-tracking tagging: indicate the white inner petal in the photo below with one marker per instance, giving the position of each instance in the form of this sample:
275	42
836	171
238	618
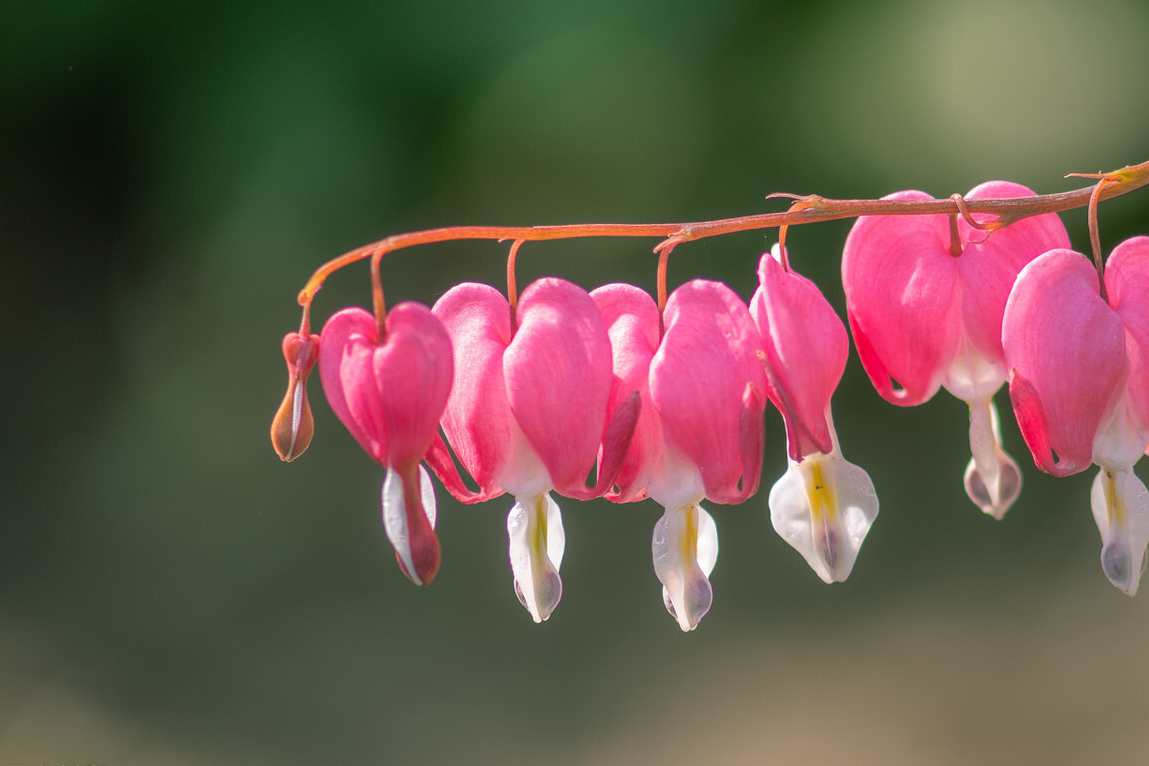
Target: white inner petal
824	507
971	377
1119	443
685	549
536	546
1121	509
524	474
679	483
992	478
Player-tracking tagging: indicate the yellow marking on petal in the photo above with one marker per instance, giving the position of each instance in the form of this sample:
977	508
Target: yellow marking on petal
689	540
538	535
1113	503
820	494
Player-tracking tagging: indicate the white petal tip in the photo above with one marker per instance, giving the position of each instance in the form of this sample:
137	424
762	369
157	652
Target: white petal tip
994	497
1121	509
1122	567
685	549
695	598
545	597
537	541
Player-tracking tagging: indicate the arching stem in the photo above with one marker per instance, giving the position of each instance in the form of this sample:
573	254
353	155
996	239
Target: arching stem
808	209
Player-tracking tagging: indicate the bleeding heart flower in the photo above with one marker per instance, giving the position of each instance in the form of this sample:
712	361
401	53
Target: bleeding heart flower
927	316
1079	383
823	505
699	432
528	413
390	392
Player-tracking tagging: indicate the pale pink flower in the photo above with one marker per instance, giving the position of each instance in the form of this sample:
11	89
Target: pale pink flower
925	317
1079	383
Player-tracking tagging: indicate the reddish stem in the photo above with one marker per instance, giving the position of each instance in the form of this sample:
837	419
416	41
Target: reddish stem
512	287
810	209
955	236
664	249
377	301
1095	236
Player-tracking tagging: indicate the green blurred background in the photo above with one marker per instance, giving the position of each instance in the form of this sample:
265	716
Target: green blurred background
170	593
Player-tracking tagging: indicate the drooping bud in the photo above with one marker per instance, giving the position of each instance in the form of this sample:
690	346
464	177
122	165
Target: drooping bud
292	427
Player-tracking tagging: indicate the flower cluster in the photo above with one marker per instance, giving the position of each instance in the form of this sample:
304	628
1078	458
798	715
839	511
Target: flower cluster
611	394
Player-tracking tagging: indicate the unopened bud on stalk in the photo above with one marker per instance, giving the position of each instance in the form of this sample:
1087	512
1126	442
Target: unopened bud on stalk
293	426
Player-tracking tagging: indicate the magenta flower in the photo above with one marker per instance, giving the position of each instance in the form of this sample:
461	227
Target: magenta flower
1079	383
823	505
699	431
528	414
926	316
390	392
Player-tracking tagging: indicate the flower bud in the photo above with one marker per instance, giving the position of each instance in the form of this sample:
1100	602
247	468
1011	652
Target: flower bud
293	426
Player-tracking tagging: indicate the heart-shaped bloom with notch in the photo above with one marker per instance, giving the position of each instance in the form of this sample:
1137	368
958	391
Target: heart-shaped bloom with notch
390	393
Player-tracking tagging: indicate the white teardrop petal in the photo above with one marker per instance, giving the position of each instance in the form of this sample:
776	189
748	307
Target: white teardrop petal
1121	509
536	546
685	549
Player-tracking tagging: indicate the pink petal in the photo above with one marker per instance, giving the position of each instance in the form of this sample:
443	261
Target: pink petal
346	350
478	421
707	383
806	349
1127	282
902	295
413	371
632	323
1031	421
989	264
440	460
1065	349
558	373
389	395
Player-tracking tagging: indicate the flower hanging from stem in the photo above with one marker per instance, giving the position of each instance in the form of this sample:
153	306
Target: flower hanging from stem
612	393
